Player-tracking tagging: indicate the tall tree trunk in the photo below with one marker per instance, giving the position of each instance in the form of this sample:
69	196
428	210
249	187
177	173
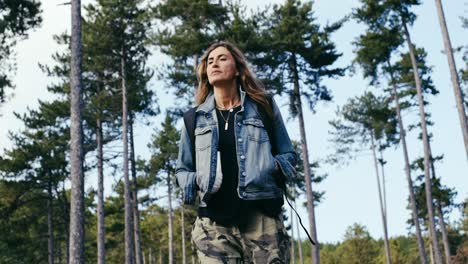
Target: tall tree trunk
382	209
101	249
170	230
427	148
160	256
443	229
150	256
293	254
76	140
315	253
66	222
182	224
136	212
454	75
414	210
50	224
383	184
299	242
431	250
129	246
59	251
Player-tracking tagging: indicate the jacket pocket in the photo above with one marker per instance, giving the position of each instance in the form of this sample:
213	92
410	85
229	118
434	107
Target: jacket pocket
255	130
203	139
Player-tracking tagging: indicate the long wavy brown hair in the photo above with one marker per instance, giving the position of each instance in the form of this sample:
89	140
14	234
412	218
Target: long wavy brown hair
251	85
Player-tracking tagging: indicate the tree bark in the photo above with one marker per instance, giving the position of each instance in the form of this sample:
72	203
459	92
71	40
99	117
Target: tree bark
160	256
76	139
150	256
50	224
182	224
443	228
101	240
382	169
129	245
414	210
136	212
315	252
66	223
293	254
382	209
454	75
299	242
422	114
432	253
170	231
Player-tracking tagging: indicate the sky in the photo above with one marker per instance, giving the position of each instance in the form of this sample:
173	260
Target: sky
350	191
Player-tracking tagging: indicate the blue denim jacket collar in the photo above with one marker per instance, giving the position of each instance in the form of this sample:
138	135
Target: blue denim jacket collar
257	180
209	104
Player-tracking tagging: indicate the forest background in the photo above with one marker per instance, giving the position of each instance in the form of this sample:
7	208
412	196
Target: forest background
349	190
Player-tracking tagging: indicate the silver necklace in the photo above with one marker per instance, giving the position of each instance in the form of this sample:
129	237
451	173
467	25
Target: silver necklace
226	124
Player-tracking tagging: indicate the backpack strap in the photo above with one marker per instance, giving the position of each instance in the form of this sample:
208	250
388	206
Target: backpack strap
189	121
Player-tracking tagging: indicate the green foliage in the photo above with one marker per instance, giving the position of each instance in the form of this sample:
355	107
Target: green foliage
374	49
462	249
389	13
464	71
404	78
16	19
358	246
164	148
360	119
442	195
300	52
155	233
296	186
194	25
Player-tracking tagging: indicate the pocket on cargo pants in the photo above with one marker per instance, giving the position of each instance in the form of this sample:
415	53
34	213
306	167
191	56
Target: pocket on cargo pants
266	239
216	243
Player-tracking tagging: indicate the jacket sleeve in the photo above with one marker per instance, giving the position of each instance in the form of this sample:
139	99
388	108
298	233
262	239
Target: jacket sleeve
185	168
286	157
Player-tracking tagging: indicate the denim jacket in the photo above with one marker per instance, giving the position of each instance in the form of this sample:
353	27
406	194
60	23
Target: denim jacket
255	160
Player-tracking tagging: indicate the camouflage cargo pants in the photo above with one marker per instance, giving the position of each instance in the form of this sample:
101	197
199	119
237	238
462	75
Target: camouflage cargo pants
262	240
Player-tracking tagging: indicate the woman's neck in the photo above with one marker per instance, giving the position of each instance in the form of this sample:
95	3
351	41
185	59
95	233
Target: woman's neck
226	97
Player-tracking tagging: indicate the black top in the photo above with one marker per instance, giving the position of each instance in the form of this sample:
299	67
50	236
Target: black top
225	207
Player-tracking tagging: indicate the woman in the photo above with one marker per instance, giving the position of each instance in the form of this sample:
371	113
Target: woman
242	158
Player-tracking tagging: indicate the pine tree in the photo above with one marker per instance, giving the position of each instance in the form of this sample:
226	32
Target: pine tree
76	141
184	41
362	120
38	161
165	150
358	246
17	19
453	74
397	14
301	54
374	53
124	46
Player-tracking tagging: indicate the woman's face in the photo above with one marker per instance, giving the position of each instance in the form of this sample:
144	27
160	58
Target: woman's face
221	66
